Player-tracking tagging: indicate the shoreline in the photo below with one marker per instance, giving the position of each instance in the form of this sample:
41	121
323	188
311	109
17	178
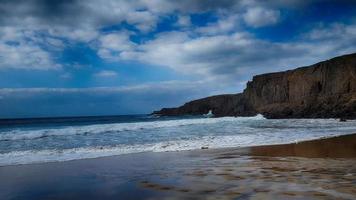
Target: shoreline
267	172
344	144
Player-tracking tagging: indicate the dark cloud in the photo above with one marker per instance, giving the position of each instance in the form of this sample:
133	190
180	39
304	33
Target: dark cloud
43	11
100	13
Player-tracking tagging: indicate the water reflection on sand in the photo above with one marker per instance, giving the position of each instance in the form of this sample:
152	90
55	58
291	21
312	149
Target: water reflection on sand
320	169
258	178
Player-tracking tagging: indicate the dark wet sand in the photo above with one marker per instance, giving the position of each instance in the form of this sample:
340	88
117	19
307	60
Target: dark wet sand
336	147
320	169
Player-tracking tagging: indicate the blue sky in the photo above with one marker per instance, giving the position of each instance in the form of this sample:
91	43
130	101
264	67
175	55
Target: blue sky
72	58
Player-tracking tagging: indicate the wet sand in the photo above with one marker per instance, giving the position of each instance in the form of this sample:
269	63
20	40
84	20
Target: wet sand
320	169
336	147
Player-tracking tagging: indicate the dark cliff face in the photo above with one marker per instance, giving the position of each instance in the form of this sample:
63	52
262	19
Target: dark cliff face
326	89
220	105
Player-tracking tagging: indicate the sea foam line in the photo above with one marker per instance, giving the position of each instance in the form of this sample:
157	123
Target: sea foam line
55	155
112	128
243	140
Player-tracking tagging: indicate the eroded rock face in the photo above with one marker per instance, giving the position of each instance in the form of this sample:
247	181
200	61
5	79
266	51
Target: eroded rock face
323	90
220	105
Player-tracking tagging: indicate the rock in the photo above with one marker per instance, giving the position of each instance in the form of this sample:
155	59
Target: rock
342	120
220	105
204	147
323	90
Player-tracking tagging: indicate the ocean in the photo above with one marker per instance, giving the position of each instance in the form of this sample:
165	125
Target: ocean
24	141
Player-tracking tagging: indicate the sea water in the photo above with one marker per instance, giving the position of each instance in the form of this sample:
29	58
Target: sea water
25	141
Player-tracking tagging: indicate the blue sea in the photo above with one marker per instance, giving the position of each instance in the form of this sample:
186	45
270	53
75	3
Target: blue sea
24	141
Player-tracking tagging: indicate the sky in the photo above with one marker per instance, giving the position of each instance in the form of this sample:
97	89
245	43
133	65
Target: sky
115	57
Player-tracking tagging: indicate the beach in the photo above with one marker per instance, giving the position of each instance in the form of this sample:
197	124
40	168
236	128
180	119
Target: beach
177	100
318	169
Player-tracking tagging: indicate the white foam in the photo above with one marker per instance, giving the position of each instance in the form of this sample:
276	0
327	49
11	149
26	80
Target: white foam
110	128
243	140
204	132
41	156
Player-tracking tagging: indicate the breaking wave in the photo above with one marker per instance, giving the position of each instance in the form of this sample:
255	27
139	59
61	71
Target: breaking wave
24	146
112	128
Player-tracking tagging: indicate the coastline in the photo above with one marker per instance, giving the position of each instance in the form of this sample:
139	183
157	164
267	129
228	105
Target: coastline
323	168
322	90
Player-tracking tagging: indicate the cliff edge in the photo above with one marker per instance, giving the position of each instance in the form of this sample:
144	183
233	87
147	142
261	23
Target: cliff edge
323	90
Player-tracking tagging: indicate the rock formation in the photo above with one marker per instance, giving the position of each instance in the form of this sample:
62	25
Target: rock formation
323	90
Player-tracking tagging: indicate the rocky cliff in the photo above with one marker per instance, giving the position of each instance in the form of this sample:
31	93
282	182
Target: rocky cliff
323	90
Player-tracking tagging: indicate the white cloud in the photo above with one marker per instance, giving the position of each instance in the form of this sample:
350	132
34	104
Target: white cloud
258	17
55	42
184	21
106	74
25	56
224	25
218	48
111	45
135	99
116	42
207	55
23	49
331	31
73	34
238	55
143	20
164	85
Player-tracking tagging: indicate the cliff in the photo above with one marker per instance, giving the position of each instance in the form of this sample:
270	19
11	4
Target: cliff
220	105
323	90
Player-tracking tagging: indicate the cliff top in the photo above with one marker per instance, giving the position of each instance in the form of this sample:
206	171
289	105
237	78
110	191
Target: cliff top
278	74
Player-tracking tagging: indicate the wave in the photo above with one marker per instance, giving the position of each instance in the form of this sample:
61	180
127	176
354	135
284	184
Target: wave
56	155
222	132
243	140
114	128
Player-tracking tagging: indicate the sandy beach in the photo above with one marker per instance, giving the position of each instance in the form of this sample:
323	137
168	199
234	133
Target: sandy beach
177	100
319	169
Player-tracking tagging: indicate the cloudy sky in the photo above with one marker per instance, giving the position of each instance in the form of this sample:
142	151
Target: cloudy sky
65	58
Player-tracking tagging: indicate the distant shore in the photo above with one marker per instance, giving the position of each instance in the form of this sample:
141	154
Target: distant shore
268	172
